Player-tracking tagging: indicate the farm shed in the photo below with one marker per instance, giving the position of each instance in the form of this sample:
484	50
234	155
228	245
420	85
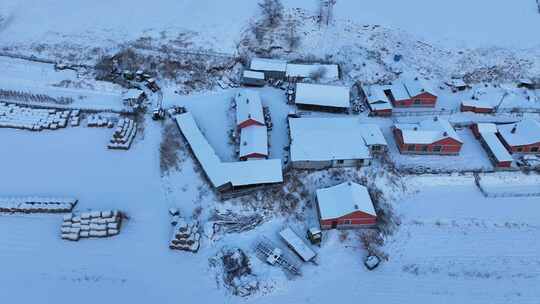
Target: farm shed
414	93
297	245
526	83
373	138
249	109
432	136
347	205
253	142
318	143
253	78
499	156
477	106
272	68
376	99
225	176
457	84
134	96
521	137
322	97
328	72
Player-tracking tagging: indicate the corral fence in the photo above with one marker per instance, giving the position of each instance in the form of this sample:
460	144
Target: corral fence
487	193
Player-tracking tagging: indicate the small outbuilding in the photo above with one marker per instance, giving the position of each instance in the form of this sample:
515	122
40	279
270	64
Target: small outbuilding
376	100
249	109
345	206
327	72
497	152
272	68
457	84
253	142
134	97
253	78
319	97
477	106
526	83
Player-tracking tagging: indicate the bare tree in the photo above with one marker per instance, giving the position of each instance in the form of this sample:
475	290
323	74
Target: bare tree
272	11
291	36
326	11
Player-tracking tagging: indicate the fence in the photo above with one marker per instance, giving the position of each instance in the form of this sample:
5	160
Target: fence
486	193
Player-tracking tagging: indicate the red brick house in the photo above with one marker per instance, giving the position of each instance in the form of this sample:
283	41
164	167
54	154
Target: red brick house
477	106
345	206
376	100
497	152
521	137
249	110
411	94
435	136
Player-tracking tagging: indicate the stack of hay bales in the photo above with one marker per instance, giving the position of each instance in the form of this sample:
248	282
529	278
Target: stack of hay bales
36	204
75	118
123	134
185	236
98	121
91	224
28	118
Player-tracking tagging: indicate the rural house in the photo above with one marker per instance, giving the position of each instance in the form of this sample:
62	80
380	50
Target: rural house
272	68
414	93
318	143
477	106
253	142
347	205
249	110
319	97
433	136
376	100
521	137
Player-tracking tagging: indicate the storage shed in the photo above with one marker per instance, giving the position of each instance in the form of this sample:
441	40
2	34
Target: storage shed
347	205
322	97
249	109
272	68
327	72
375	98
477	106
253	78
253	142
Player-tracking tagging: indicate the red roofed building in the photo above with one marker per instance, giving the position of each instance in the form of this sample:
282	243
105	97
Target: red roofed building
411	94
249	110
521	137
434	136
347	205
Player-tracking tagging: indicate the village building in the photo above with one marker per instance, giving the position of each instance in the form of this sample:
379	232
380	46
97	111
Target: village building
345	206
317	97
253	142
457	84
521	137
526	83
413	93
325	142
326	72
227	176
497	152
249	109
477	106
379	104
253	78
134	97
272	68
432	136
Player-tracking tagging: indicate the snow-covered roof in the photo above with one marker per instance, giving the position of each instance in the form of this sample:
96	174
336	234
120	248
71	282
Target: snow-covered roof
526	81
266	64
496	147
202	150
376	97
328	71
322	95
482	103
248	106
398	91
253	172
344	199
219	173
486	127
372	134
297	244
457	82
522	133
417	87
132	94
253	74
427	131
253	139
326	138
